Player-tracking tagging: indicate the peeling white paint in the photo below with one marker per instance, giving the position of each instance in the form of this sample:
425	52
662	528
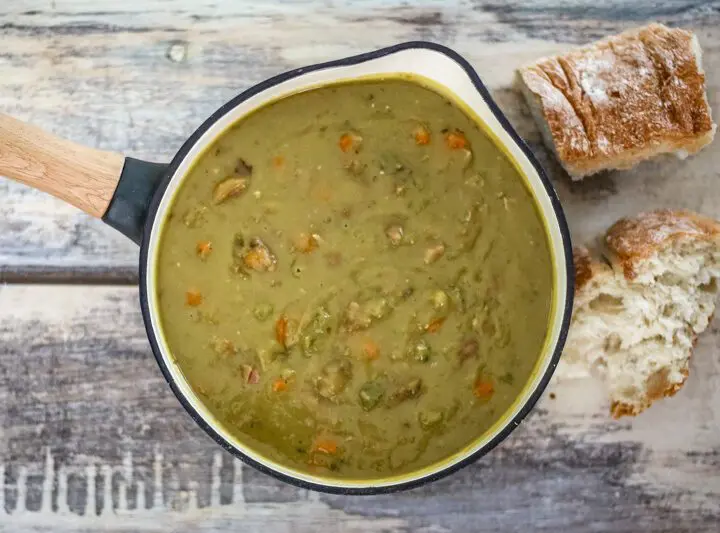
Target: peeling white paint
288	517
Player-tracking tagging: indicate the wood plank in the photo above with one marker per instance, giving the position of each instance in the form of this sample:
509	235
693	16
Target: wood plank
87	420
137	77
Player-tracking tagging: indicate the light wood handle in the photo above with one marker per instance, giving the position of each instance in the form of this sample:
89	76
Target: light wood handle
82	176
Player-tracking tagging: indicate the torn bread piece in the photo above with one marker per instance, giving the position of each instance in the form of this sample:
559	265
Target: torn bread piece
621	100
638	311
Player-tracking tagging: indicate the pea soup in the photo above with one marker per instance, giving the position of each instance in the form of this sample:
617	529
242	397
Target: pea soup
355	279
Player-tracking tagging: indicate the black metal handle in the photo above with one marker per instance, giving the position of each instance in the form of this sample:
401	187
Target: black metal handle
129	205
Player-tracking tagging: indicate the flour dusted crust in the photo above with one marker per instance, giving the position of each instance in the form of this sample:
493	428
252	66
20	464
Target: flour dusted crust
638	310
630	240
618	101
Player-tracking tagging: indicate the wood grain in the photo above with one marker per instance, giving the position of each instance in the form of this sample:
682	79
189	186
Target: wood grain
81	176
138	78
78	381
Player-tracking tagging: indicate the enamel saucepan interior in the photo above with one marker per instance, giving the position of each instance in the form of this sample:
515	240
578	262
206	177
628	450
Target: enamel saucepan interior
134	197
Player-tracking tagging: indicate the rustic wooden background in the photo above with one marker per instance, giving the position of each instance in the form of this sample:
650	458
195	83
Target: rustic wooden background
91	438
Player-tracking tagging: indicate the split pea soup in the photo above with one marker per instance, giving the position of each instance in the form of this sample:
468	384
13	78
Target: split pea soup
355	280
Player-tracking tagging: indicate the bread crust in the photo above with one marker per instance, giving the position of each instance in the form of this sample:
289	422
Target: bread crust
630	240
628	243
618	101
590	270
658	386
583	264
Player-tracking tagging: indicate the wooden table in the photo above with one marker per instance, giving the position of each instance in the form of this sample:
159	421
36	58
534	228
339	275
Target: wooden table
91	437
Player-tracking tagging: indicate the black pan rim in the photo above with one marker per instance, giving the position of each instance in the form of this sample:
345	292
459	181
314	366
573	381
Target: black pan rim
511	424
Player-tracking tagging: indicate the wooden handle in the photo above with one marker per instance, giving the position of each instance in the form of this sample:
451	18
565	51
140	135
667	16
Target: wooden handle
82	176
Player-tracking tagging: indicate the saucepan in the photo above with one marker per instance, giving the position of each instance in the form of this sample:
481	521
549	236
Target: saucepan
133	197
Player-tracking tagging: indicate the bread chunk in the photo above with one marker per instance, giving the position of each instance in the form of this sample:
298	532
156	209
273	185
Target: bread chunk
640	304
616	102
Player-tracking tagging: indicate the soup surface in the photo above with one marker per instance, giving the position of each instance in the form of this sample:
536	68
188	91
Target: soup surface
355	280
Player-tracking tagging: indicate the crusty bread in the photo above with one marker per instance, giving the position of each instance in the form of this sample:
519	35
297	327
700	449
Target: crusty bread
621	100
638	312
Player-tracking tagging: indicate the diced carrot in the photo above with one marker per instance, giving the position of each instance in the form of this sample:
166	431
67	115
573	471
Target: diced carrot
434	325
327	446
279	385
422	135
305	243
371	350
203	249
281	330
456	140
483	388
345	142
193	297
278	162
348	141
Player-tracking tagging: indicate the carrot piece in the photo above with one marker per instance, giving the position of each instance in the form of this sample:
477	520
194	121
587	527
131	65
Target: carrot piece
327	446
278	162
345	142
203	249
434	325
422	135
348	141
483	388
456	140
193	297
279	385
371	350
305	243
281	330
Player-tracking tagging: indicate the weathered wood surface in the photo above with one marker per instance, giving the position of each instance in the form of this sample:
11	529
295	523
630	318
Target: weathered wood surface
85	416
77	379
138	77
